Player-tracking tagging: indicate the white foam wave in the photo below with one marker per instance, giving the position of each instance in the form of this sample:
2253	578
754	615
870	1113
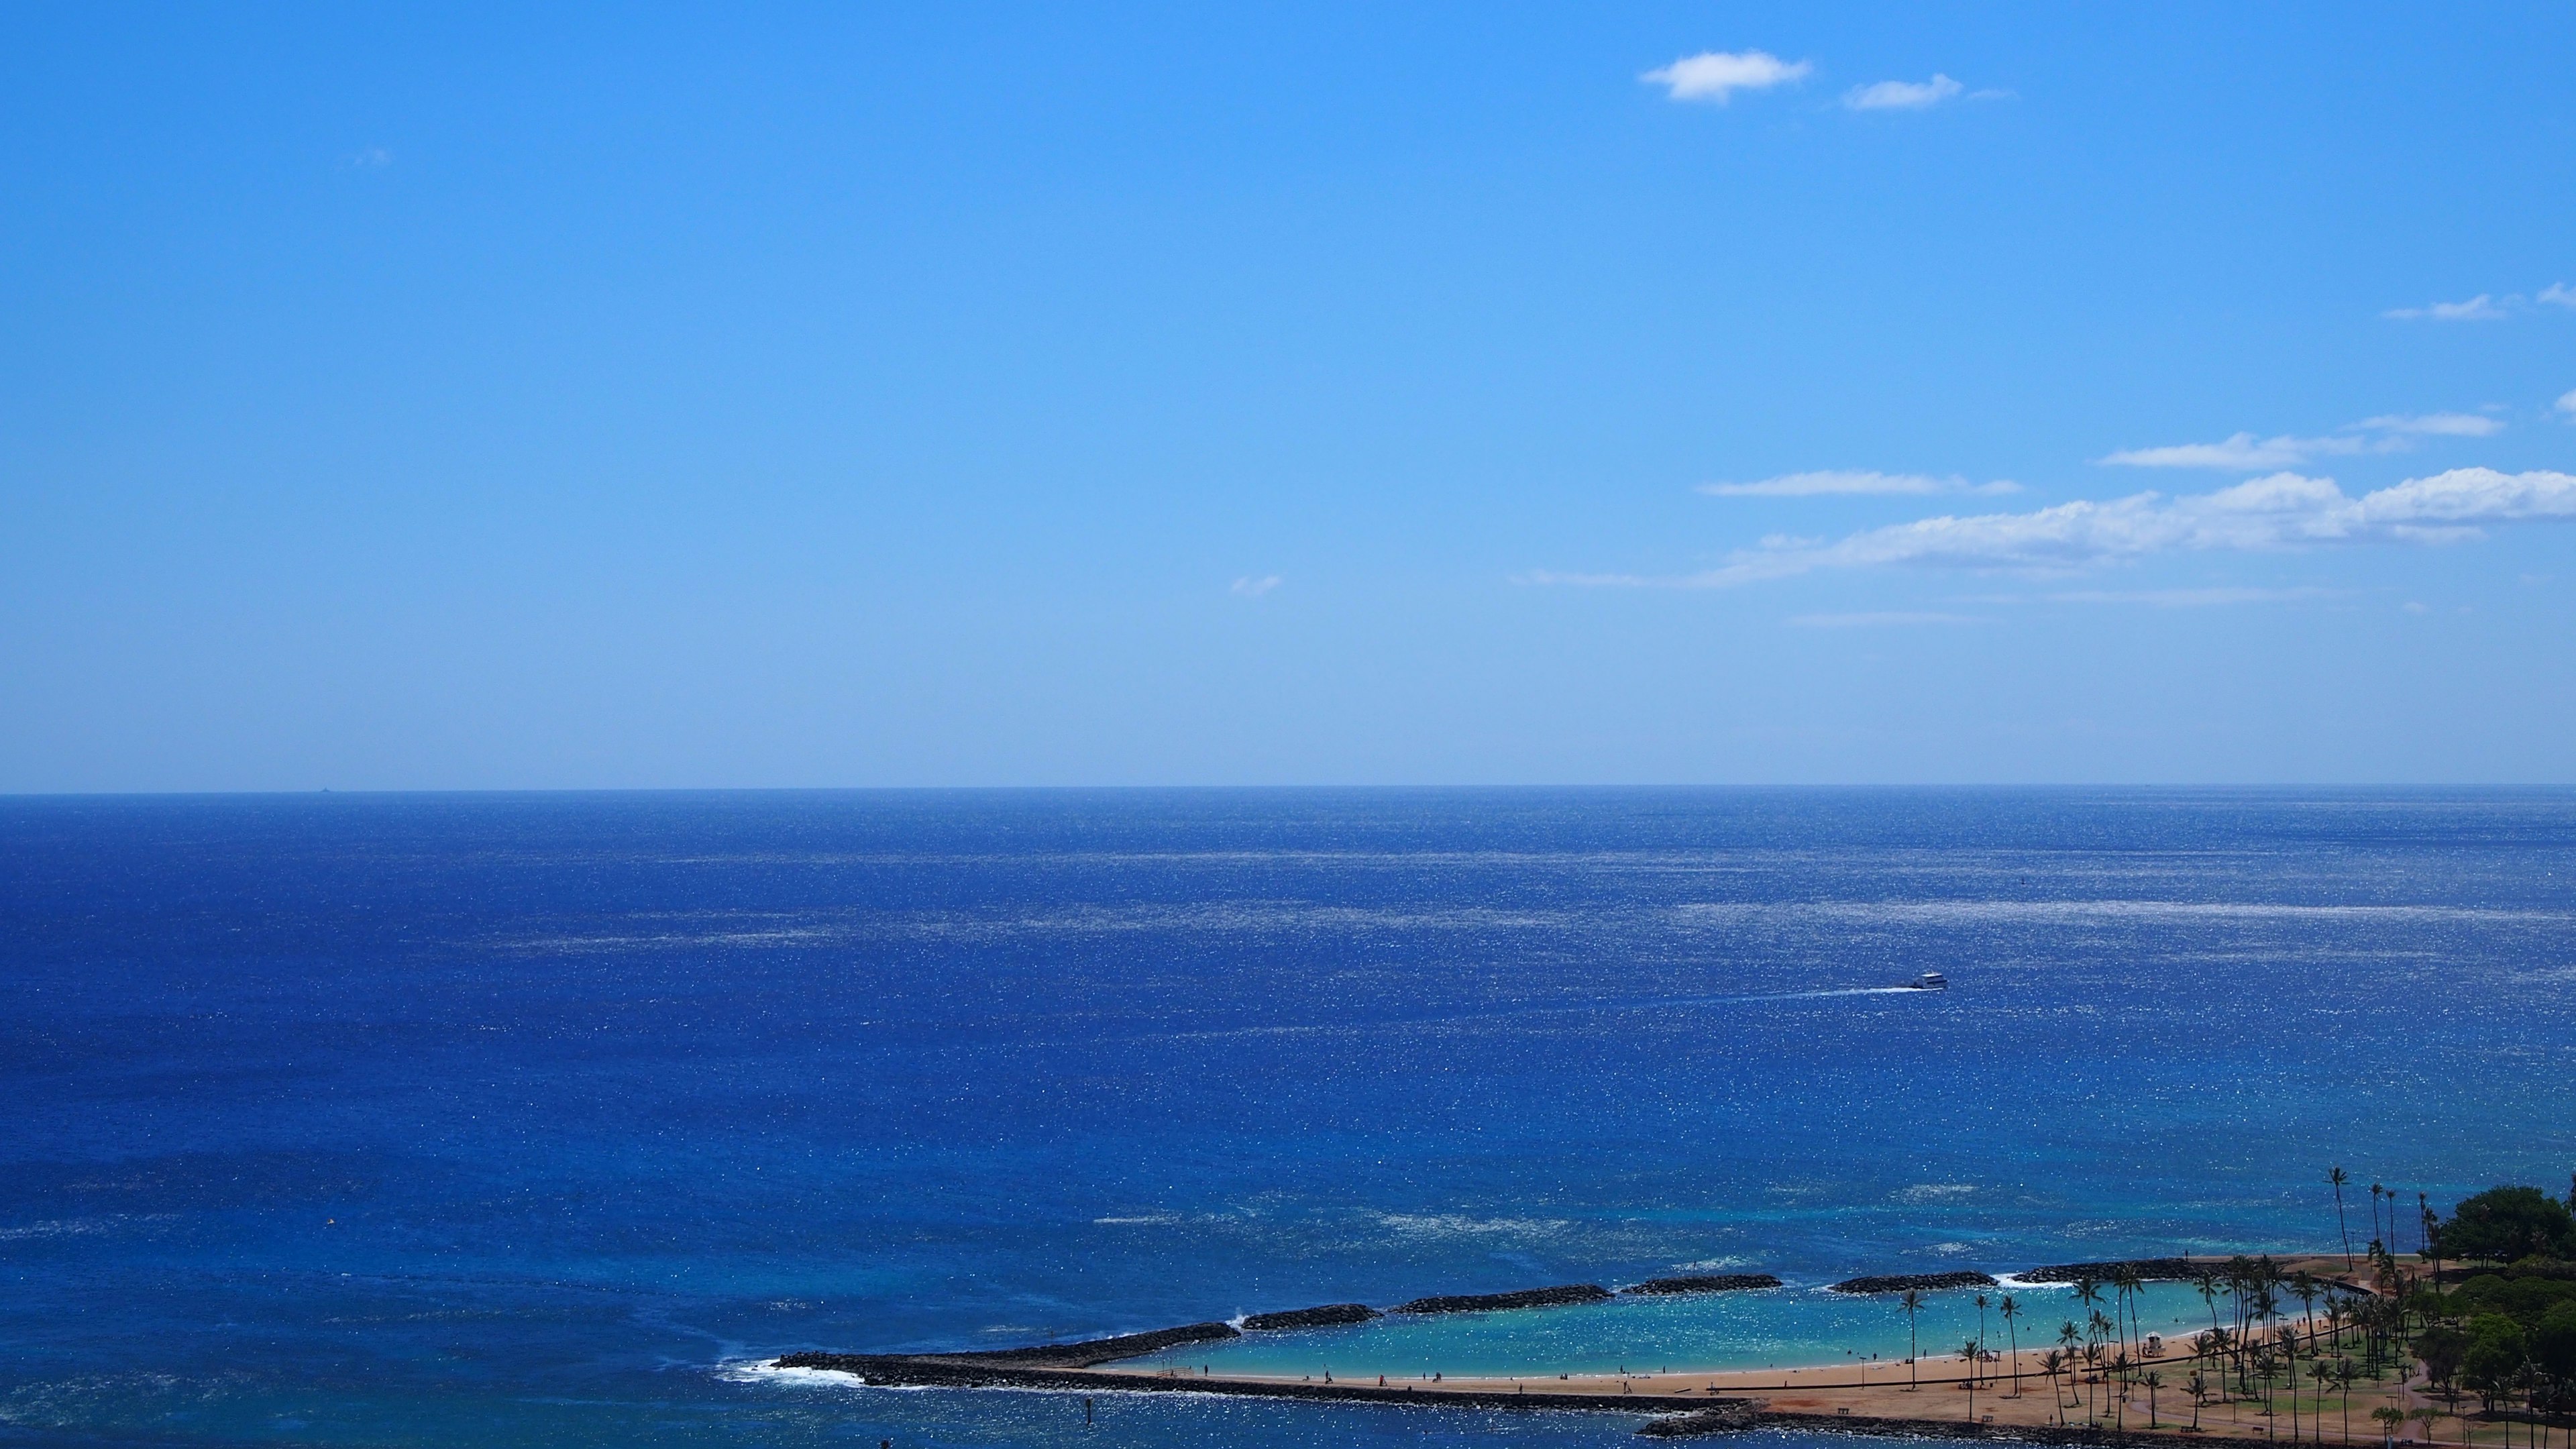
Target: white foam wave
1448	1225
2151	910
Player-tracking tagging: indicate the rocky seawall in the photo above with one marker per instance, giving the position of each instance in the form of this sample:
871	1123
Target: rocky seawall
1705	1283
2151	1270
1331	1315
925	1371
1498	1302
1723	1418
1925	1282
1712	1415
1081	1354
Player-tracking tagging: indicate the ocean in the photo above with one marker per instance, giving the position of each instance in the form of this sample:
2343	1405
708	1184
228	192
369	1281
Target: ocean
542	1119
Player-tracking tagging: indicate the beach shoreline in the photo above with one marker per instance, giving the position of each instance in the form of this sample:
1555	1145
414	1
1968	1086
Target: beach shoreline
2006	1395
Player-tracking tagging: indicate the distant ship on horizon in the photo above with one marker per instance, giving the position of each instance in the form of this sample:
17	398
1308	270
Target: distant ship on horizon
1930	981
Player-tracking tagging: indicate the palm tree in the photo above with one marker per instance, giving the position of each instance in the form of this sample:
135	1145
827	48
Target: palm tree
2338	1178
2153	1381
2088	1291
2375	1191
2011	1310
2132	1286
1971	1353
2066	1339
2303	1286
2198	1386
2343	1377
1912	1302
1977	1360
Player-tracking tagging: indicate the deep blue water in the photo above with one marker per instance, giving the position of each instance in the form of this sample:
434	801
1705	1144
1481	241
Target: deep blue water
526	1120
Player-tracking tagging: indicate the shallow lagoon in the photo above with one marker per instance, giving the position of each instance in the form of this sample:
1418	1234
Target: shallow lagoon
1778	1327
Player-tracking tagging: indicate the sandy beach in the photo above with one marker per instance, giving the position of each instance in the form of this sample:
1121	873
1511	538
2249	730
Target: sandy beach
2009	1391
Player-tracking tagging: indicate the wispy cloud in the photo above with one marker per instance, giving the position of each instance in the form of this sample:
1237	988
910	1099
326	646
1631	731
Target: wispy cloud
2439	425
1808	485
2242	452
1902	95
372	157
2245	453
2188	598
2480	308
2558	294
2567	402
1881	619
1716	75
1253	588
2282	511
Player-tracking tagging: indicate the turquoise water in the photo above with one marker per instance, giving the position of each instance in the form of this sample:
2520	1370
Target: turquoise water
503	1121
1778	1328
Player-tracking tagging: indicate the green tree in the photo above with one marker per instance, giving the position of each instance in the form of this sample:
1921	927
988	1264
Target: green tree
2553	1343
1912	1303
2338	1179
2505	1223
2049	1363
2440	1349
2132	1285
2011	1310
2495	1357
1976	1361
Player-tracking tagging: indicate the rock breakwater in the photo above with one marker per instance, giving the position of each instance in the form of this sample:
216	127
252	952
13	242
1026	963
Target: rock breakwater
1498	1302
1926	1282
1724	1418
1705	1283
1081	1354
1329	1316
2151	1270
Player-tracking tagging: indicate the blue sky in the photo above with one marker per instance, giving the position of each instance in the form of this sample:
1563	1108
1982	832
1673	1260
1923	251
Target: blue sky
997	395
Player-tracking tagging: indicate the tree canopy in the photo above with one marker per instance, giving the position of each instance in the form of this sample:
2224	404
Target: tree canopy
2505	1223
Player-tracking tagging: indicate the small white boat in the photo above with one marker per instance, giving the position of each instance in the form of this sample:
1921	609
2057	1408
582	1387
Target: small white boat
1930	981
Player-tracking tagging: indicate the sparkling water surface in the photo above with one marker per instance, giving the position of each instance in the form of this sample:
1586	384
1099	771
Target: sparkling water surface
504	1120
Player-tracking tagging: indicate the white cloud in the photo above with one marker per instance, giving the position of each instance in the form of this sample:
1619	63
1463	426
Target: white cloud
2567	402
2282	511
1808	485
2559	294
2480	308
372	157
1902	95
1715	75
2187	598
2241	452
1252	588
2245	453
1874	620
2440	425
